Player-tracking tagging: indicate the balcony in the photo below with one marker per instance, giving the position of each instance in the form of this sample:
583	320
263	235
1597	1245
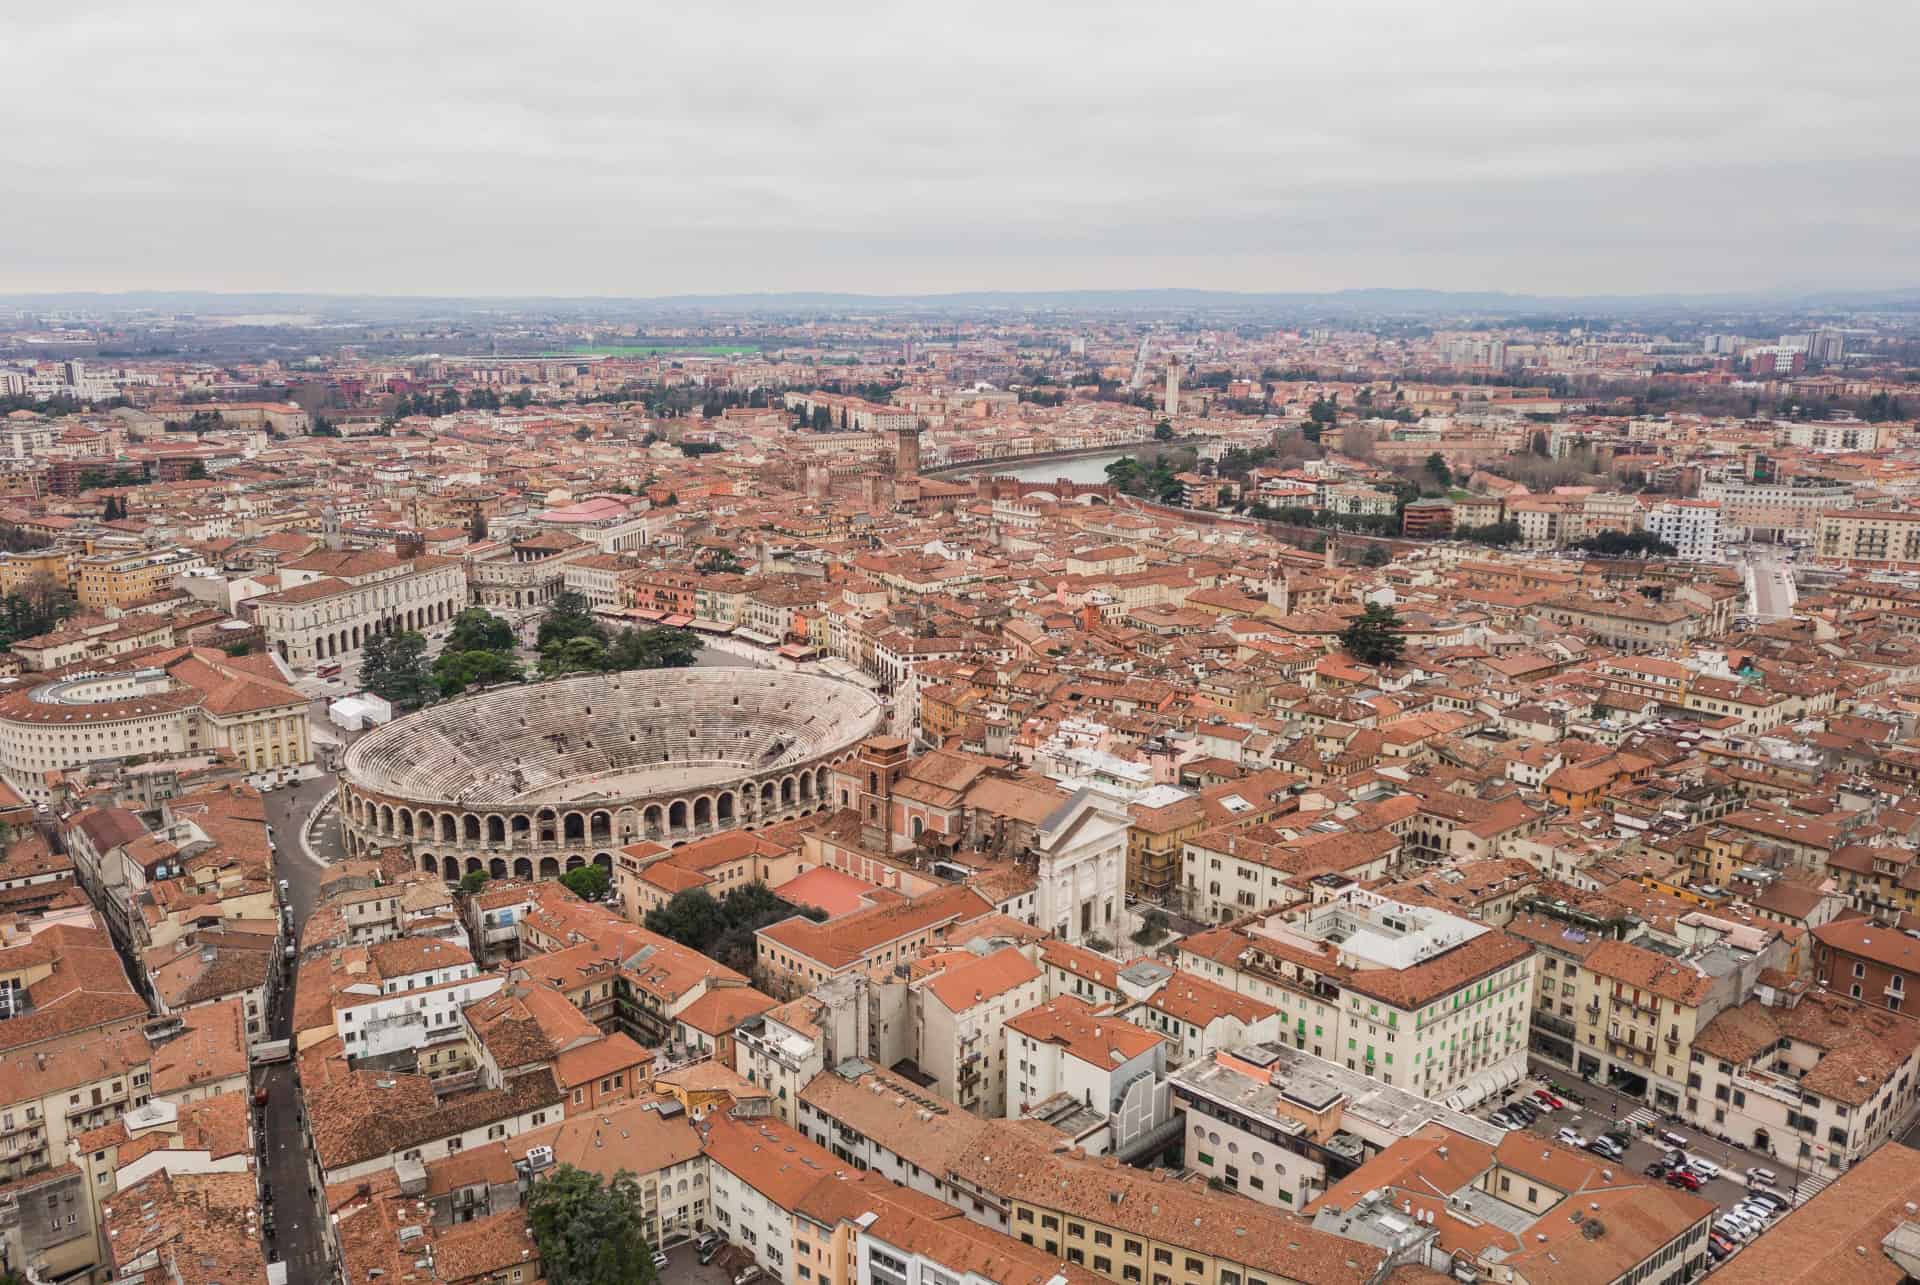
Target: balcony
1894	990
1549	1022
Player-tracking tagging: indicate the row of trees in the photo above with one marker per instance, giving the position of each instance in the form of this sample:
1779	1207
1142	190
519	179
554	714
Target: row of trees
588	882
448	402
481	652
1626	544
36	607
571	641
724	929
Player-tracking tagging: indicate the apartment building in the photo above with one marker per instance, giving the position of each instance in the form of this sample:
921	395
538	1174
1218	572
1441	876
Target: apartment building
49	1096
1414	997
798	954
1066	1054
1885	537
1522	1211
962	1009
121	578
1805	1074
1867	961
1638	1011
1232	871
1770	510
1280	1126
1692	527
1130	1226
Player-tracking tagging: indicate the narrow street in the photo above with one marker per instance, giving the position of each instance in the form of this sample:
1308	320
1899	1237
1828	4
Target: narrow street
297	1218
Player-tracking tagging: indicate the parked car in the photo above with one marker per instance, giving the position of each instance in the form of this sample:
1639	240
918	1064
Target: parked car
659	1259
1658	1169
1571	1138
1605	1146
1773	1200
1762	1178
1704	1167
1682	1178
1717	1247
1725	1241
711	1252
707	1240
1548	1099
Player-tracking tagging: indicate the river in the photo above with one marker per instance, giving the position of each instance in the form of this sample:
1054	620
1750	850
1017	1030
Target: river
1084	468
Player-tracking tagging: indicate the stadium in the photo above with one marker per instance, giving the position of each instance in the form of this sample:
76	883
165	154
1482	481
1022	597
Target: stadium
534	780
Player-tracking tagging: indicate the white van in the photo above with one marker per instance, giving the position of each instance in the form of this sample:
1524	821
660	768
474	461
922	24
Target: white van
1672	1139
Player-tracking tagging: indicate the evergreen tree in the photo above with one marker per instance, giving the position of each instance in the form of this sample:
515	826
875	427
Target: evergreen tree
1372	638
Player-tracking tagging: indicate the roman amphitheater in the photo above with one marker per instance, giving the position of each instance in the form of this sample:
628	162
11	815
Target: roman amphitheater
534	780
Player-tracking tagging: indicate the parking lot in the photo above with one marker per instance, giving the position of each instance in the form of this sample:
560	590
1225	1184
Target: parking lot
683	1268
1605	1112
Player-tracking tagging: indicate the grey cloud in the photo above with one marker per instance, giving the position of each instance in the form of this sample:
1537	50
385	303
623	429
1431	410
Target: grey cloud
642	148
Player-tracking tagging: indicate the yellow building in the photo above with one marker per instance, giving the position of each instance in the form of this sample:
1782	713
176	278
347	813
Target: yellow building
119	579
1126	1227
1636	1013
16	569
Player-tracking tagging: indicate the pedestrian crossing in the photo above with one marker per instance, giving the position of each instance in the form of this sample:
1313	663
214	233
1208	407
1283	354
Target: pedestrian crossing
1809	1186
1645	1115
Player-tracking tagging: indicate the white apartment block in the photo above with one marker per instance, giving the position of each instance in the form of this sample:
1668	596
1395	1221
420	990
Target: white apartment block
1413	997
1692	527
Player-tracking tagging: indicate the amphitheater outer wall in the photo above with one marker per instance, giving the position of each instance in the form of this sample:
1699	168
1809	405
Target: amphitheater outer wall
534	837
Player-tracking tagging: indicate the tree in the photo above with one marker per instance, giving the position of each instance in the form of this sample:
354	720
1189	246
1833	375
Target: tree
473	881
403	678
477	526
568	616
477	629
652	649
692	918
35	608
1438	470
590	1231
373	661
1499	534
584	654
1153	926
1626	544
1371	638
457	671
1163	431
197	471
588	882
1375	555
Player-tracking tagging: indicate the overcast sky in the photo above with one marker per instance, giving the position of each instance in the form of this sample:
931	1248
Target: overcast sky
580	147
